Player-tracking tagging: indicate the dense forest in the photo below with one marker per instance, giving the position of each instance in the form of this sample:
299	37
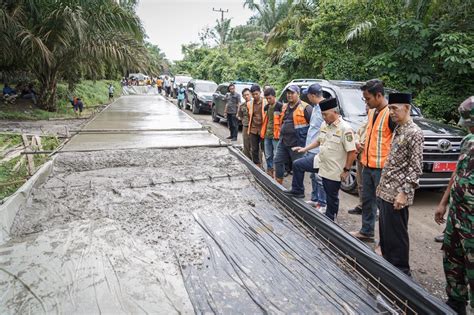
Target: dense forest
425	47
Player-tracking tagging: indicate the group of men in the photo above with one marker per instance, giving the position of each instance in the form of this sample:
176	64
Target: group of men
388	150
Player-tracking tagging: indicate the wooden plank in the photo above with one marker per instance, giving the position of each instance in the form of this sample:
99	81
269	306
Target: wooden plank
31	162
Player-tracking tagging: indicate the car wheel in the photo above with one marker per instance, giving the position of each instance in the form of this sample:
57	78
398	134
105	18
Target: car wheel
350	184
214	115
195	106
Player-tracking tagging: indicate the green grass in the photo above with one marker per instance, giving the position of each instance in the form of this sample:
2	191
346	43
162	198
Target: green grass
11	180
93	95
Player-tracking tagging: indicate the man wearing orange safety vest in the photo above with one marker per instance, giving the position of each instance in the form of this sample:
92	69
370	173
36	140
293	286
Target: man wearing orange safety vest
294	120
270	131
256	108
377	146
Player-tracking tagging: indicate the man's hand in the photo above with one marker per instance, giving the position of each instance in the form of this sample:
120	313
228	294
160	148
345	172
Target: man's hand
225	114
344	176
298	149
359	147
400	201
439	214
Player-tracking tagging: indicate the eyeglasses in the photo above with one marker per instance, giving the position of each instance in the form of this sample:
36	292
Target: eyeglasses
364	99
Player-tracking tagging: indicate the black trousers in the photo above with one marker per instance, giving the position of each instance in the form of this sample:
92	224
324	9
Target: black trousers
255	148
394	240
331	187
233	124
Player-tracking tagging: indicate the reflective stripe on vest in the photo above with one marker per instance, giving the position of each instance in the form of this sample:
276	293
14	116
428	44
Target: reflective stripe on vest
378	139
299	120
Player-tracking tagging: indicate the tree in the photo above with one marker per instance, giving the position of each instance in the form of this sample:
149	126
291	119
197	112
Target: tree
65	39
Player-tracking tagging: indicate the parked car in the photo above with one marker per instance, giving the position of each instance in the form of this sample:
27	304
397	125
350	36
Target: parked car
199	95
177	80
442	142
218	98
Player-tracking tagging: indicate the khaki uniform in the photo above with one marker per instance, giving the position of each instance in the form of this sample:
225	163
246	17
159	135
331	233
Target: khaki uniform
335	141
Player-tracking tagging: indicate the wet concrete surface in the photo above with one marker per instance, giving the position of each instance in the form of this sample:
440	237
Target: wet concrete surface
141	122
208	221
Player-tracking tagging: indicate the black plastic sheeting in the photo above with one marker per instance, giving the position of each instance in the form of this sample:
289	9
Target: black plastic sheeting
397	283
261	262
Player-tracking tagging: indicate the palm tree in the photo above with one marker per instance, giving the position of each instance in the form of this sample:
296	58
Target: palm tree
58	39
269	12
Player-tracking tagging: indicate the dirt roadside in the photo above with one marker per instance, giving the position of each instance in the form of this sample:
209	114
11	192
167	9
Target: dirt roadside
425	255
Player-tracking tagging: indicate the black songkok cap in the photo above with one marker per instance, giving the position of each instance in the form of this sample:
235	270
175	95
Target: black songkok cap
399	98
327	104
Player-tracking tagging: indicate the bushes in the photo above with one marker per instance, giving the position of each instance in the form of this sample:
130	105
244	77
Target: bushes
92	93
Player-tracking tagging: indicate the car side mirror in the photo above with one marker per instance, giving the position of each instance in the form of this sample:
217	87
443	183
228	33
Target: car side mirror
190	89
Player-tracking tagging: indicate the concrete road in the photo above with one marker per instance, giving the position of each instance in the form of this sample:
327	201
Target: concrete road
425	254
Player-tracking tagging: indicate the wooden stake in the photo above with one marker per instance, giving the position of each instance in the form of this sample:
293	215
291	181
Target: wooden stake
31	162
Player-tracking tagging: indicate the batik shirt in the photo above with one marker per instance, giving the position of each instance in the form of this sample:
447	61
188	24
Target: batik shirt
404	164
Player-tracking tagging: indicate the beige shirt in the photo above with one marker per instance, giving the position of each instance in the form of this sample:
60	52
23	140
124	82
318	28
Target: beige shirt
335	141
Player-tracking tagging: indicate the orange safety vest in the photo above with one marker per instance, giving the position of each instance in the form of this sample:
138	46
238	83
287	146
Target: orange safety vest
276	124
299	121
378	139
250	108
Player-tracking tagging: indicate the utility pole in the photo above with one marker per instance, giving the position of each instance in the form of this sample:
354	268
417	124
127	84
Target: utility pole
222	13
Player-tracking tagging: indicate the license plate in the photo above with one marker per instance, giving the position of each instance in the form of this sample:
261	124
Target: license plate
439	167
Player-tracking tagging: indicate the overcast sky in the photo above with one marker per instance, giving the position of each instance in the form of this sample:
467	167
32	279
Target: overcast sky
171	23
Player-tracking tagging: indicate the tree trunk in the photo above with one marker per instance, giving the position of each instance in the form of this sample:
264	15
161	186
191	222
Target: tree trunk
47	93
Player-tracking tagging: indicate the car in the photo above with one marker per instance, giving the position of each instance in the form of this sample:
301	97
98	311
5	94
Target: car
199	95
442	142
218	98
177	80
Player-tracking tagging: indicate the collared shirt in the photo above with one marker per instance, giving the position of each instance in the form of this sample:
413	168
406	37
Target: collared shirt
314	126
232	101
243	114
404	164
256	117
336	140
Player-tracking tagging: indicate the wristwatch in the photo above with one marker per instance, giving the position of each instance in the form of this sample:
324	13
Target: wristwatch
406	188
346	169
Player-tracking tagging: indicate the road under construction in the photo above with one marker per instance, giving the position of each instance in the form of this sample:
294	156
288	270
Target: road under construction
145	211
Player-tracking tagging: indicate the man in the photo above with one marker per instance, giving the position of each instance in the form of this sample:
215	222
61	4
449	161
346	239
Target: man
360	142
295	118
337	153
243	115
399	179
167	84
111	91
159	84
232	101
270	130
256	107
458	245
181	95
9	94
380	127
78	107
315	96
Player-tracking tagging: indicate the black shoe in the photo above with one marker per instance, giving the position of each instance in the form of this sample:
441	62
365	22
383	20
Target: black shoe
229	137
458	306
234	139
356	210
294	194
439	238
